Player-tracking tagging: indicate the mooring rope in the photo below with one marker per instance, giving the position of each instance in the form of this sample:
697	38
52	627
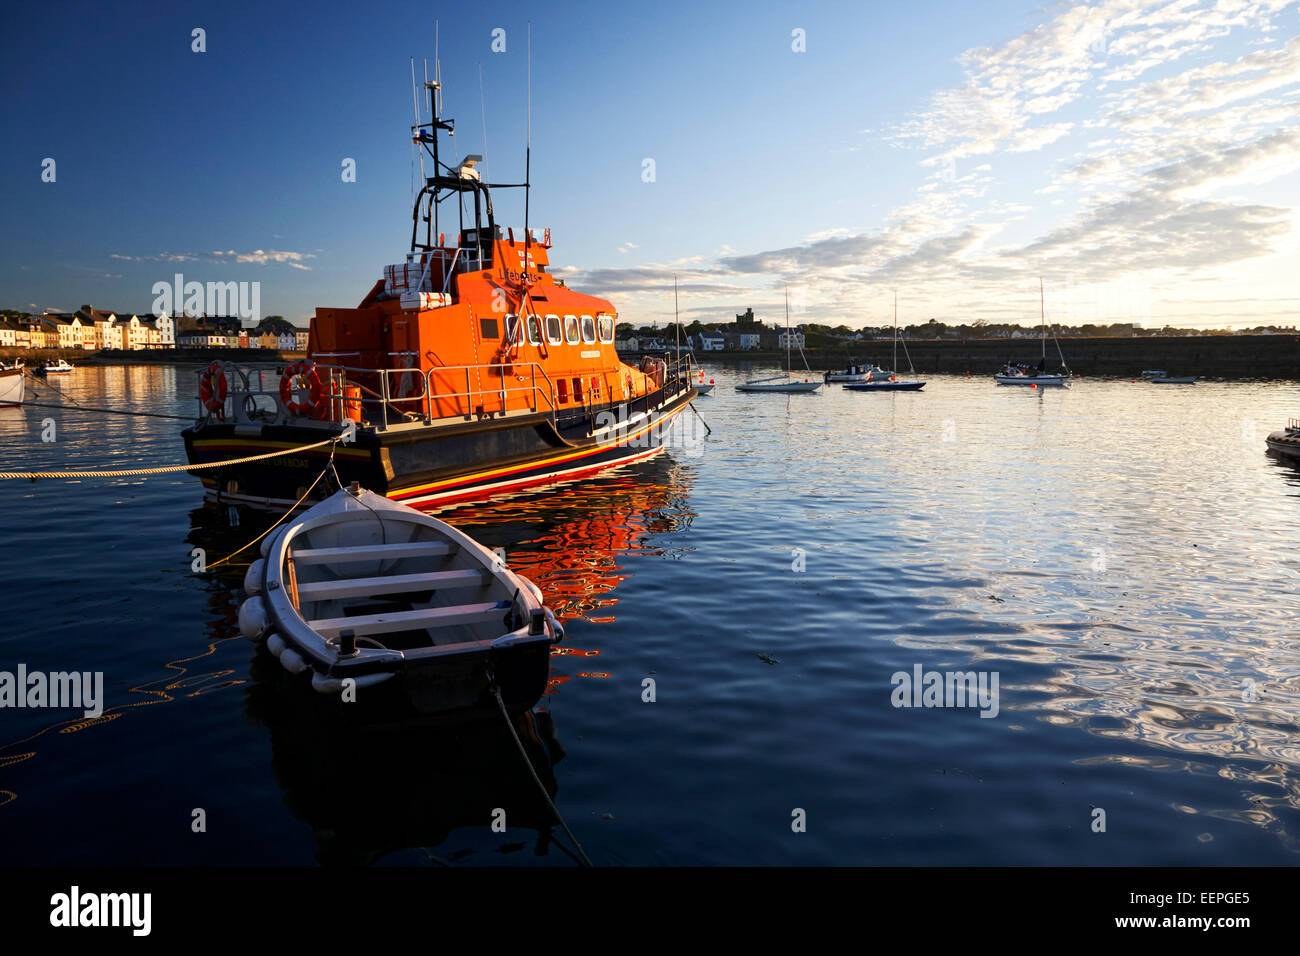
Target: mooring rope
168	469
329	466
110	411
496	692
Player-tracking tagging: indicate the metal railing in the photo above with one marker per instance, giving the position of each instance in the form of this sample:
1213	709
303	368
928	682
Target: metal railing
393	395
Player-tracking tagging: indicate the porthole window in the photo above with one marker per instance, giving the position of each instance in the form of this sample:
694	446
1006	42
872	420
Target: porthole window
588	330
512	329
534	330
553	333
571	329
606	325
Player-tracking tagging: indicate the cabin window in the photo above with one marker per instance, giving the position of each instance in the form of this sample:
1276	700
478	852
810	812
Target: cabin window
553	333
534	330
562	387
512	329
571	329
487	329
606	324
577	389
588	330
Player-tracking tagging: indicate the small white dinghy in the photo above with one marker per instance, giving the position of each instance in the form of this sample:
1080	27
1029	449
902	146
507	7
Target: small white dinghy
365	589
12	384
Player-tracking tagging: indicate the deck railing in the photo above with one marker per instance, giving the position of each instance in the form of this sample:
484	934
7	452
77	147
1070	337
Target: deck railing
393	396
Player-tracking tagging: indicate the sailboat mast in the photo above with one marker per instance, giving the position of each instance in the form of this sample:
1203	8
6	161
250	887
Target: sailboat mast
1042	309
895	363
789	365
677	323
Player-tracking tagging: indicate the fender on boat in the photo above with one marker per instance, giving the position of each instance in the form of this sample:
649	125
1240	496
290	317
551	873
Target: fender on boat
252	618
253	577
334	685
276	645
292	661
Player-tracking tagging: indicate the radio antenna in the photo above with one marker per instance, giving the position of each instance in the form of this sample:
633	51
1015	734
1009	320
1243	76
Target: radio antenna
528	154
483	108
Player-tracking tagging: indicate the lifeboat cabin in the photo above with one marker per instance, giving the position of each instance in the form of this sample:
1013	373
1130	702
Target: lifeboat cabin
467	369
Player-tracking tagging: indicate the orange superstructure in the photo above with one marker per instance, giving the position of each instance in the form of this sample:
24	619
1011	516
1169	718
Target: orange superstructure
467	369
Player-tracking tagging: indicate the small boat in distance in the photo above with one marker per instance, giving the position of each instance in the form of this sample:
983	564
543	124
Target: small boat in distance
782	383
13	383
415	613
61	367
878	380
1037	376
703	387
856	373
1161	377
1286	442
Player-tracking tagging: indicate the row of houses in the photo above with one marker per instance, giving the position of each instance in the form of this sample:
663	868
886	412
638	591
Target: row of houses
93	329
227	332
89	329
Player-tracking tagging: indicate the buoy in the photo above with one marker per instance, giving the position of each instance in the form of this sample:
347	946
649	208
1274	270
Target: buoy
252	618
253	577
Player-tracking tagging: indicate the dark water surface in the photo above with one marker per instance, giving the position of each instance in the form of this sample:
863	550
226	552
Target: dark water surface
1122	556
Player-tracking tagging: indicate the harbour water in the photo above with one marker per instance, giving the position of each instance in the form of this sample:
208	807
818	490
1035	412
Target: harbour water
1120	556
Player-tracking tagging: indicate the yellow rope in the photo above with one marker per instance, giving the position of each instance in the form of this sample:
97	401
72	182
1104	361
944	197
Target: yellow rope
130	473
278	520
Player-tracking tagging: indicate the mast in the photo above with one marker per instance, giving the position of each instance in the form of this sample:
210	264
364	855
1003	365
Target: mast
895	368
788	369
677	323
1042	309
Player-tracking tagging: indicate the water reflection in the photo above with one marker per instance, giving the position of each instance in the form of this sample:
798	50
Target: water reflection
369	789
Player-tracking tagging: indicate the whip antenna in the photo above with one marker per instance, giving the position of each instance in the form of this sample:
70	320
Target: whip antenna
483	108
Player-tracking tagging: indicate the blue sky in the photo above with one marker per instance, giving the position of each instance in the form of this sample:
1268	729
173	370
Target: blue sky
1141	157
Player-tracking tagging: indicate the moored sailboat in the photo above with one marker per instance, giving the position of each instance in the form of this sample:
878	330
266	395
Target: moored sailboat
1017	373
782	383
888	381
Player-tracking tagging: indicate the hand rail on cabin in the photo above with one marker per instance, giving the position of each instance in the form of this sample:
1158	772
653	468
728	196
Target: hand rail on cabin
338	379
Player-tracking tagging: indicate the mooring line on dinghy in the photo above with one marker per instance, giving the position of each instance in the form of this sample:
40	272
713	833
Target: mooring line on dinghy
505	715
707	429
166	469
329	466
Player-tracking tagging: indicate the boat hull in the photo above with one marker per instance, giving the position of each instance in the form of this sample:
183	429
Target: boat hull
12	387
429	465
1040	381
786	387
1284	444
886	387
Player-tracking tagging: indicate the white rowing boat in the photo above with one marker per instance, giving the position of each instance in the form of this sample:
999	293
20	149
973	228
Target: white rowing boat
365	590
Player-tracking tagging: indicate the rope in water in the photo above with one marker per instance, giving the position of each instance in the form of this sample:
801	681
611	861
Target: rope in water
496	691
168	469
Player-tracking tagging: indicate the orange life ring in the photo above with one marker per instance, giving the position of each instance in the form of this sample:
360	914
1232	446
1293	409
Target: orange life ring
306	372
213	387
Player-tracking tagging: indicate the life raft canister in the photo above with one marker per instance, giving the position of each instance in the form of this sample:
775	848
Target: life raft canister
304	374
212	388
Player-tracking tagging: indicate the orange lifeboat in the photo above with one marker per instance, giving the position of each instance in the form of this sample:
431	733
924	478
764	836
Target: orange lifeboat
467	369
